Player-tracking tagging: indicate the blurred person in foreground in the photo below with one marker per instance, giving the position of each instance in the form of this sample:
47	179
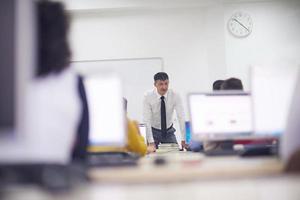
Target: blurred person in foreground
54	103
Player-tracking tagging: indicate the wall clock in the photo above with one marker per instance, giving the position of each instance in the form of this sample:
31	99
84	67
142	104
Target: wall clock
240	24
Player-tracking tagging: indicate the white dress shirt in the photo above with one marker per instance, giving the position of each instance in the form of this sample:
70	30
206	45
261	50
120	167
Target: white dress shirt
151	111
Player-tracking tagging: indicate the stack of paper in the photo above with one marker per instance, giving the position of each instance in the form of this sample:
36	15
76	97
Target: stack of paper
167	147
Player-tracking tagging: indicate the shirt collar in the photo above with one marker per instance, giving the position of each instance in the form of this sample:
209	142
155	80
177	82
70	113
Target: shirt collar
158	95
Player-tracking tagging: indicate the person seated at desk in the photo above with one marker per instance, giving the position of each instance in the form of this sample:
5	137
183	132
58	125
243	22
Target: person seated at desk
53	104
136	142
199	146
232	84
218	85
52	107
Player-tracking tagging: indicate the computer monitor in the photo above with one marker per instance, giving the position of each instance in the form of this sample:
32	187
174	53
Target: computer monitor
188	133
220	115
272	90
290	142
142	128
106	113
17	53
7	66
17	63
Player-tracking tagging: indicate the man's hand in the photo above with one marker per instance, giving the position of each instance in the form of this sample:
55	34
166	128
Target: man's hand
151	148
184	145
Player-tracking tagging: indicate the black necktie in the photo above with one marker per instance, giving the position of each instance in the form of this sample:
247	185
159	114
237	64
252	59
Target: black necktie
163	116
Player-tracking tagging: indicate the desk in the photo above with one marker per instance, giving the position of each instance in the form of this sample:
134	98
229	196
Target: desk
277	188
186	166
260	184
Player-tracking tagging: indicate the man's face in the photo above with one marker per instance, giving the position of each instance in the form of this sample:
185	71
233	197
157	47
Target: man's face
162	86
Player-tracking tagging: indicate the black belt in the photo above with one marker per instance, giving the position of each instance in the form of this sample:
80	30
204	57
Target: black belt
160	129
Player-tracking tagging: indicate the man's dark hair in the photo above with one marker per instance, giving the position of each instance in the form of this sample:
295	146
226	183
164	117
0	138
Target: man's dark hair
162	76
52	30
217	84
232	84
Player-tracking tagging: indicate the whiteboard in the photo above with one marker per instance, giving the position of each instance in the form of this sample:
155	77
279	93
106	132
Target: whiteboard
136	75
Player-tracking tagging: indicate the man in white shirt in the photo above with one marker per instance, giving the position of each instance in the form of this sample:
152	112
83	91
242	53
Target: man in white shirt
158	107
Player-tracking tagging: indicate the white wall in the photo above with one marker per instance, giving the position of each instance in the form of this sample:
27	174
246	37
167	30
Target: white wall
190	41
193	41
274	40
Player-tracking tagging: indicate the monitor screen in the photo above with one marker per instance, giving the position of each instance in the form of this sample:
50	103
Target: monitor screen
7	66
17	63
106	113
188	132
142	128
220	115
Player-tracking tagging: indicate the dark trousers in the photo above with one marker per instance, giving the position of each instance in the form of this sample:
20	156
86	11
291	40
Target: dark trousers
169	137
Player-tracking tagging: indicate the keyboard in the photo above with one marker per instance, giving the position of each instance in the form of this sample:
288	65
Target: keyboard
222	152
112	159
260	150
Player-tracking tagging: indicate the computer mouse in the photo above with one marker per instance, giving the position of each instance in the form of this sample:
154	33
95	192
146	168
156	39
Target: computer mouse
159	161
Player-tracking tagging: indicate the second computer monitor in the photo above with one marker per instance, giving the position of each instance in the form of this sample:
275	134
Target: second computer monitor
221	115
106	113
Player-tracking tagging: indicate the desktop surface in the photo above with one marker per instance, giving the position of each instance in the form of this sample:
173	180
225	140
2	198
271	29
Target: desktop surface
187	175
265	188
187	166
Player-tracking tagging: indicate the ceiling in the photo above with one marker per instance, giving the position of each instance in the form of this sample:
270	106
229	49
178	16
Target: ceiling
82	5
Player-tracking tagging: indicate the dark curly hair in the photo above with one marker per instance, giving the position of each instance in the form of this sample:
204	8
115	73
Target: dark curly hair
232	84
53	49
217	84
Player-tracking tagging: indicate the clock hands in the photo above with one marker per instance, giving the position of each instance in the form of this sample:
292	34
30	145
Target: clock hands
241	24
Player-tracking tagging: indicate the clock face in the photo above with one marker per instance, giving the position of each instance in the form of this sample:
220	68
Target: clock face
240	24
